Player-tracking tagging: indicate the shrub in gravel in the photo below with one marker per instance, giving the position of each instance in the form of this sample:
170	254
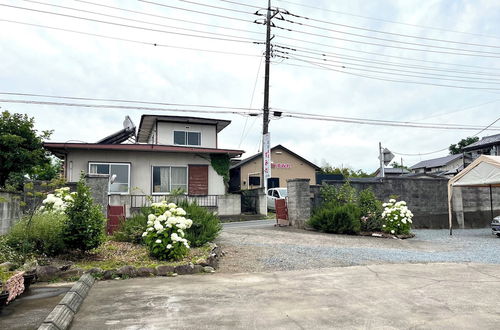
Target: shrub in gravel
344	219
206	225
397	218
371	211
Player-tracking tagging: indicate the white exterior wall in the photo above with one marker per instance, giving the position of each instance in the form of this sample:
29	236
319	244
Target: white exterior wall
166	133
140	167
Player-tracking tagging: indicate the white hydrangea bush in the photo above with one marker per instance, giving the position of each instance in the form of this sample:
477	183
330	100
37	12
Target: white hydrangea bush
397	218
165	231
58	201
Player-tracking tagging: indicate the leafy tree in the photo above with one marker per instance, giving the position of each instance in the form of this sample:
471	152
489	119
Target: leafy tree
47	171
85	225
347	172
458	148
22	148
398	165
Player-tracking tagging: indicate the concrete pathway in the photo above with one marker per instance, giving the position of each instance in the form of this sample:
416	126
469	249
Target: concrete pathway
248	224
396	296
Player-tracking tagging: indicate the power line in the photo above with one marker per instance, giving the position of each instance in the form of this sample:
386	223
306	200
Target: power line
376	31
367	60
389	56
425	75
196	11
389	21
387	46
440	150
109	106
126	101
216	7
320	67
248	40
241	4
169	18
128	40
142	21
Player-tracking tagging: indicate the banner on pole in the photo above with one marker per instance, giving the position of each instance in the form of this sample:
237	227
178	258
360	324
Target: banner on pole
266	151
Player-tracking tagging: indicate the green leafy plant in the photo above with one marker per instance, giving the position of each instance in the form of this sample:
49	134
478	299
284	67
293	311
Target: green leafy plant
131	230
41	234
344	194
9	254
206	225
85	223
221	164
371	211
164	235
344	219
397	218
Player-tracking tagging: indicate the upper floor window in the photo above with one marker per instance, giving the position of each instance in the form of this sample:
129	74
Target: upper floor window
184	138
119	174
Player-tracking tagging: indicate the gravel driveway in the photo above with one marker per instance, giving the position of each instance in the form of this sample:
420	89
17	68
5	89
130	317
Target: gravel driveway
259	246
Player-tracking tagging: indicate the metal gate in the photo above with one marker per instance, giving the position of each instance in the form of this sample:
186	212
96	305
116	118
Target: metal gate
281	212
116	215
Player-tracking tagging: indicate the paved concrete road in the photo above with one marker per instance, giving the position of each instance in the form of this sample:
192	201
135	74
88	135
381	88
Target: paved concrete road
417	296
249	224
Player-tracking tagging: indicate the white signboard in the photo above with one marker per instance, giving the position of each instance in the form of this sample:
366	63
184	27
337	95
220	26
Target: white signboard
266	151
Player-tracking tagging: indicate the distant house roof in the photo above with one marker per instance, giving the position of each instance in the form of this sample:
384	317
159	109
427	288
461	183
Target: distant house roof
279	146
436	162
61	148
147	122
486	141
392	170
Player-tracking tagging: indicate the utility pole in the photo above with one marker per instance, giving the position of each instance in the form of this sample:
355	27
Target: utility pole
381	157
266	148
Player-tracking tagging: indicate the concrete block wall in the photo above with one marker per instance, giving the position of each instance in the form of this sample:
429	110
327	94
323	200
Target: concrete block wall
98	184
10	210
299	202
229	205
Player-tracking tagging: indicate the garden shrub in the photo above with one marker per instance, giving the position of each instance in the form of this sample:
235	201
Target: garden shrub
206	225
40	234
344	194
342	219
131	230
371	211
84	228
164	236
9	254
397	218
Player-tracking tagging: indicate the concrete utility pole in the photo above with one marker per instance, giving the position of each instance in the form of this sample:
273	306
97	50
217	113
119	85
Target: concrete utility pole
266	153
381	156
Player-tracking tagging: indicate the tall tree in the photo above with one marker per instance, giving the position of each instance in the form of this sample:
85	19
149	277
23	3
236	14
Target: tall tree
458	148
347	172
22	148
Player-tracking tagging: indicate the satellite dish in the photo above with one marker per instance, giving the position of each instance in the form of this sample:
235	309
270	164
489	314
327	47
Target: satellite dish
112	179
128	124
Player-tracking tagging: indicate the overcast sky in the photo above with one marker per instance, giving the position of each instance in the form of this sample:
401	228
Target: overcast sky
47	61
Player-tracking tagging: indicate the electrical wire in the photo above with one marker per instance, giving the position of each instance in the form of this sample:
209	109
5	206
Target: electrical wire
388	46
248	40
367	60
165	17
109	106
377	31
196	11
128	40
126	101
425	75
132	19
321	67
215	7
389	21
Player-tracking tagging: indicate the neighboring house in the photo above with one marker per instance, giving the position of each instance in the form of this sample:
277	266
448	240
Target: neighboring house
285	164
391	172
447	165
168	154
488	145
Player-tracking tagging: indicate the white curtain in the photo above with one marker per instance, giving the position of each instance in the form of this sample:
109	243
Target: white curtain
165	179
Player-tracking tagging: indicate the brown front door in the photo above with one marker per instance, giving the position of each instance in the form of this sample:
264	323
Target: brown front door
198	180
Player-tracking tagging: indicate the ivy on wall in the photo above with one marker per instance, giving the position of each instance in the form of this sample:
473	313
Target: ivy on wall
221	163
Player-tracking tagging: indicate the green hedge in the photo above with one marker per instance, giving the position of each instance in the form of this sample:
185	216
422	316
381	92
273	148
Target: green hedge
344	219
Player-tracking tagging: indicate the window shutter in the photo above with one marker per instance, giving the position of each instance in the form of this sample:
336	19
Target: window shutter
198	180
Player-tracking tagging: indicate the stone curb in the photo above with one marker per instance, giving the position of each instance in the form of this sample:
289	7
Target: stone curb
61	316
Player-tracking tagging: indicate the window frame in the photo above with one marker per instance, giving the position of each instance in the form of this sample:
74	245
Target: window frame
186	138
109	181
170	179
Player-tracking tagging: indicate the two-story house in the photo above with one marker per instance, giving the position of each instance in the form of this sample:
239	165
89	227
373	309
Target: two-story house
167	154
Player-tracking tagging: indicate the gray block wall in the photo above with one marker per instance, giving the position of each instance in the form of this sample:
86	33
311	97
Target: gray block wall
299	202
10	210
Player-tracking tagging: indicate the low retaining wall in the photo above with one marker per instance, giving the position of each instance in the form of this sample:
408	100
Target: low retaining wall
229	205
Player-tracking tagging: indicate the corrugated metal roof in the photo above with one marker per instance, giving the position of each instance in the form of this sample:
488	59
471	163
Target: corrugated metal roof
436	162
486	141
